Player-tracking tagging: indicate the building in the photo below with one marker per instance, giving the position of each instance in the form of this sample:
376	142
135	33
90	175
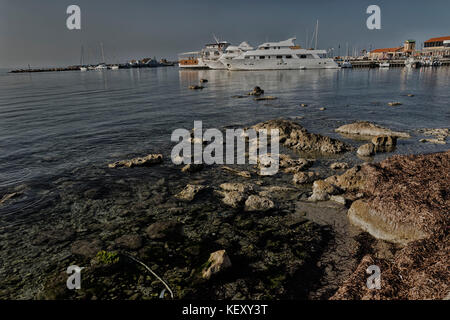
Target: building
437	47
406	50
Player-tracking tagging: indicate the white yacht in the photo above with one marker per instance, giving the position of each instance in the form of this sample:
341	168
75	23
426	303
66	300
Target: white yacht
283	55
232	52
212	53
191	60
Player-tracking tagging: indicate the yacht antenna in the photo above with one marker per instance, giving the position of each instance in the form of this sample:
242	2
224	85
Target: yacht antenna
103	54
215	38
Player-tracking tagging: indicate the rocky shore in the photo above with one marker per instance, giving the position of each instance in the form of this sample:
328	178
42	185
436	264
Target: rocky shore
145	228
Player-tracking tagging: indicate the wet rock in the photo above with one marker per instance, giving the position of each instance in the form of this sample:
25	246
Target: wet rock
163	229
8	197
366	150
305	177
440	133
192	168
323	109
236	186
290	165
234	199
384	143
203	80
368	129
304	105
297	138
129	241
339	166
265	98
148	160
322	191
196	87
218	261
394	103
435	141
245	174
257	91
86	248
189	192
257	203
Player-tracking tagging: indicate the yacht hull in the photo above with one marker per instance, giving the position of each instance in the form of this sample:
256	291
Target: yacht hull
281	64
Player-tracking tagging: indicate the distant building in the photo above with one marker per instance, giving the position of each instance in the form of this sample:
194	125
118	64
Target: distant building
406	50
439	47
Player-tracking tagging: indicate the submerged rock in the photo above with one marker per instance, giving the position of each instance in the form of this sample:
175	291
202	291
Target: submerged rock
297	138
394	103
8	197
384	143
245	174
236	186
257	203
163	229
196	87
129	241
234	199
192	167
265	98
368	129
148	160
217	262
86	248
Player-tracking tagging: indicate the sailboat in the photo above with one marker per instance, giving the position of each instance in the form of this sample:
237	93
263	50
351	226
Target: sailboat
102	66
82	67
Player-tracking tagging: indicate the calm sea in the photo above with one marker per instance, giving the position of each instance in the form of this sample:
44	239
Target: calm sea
51	123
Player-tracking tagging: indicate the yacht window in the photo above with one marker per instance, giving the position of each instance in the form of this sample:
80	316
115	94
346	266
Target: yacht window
288	57
279	57
262	57
247	57
302	56
216	53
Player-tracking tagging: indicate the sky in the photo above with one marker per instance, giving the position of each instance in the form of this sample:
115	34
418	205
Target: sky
34	31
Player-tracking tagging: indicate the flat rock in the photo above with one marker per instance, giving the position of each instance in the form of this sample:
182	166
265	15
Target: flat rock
366	150
305	177
322	190
339	165
368	129
148	160
163	229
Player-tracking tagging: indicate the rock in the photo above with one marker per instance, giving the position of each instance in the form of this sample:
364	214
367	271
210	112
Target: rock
240	187
148	160
368	129
290	165
189	192
217	262
257	91
384	143
196	87
393	104
192	167
245	174
339	165
129	241
257	203
304	105
265	98
410	95
435	141
352	180
366	150
203	80
297	138
322	191
85	248
163	229
8	197
339	199
305	177
323	109
360	214
234	199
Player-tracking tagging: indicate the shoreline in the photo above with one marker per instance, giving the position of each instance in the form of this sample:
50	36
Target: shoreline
138	211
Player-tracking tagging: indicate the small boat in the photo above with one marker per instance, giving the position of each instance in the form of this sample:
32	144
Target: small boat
114	67
191	60
83	69
384	65
101	66
346	64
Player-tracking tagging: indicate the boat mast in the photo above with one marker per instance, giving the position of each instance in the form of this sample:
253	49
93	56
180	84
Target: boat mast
316	33
103	54
82	56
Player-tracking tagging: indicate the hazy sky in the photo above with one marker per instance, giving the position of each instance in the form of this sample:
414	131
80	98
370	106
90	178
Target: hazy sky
34	31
